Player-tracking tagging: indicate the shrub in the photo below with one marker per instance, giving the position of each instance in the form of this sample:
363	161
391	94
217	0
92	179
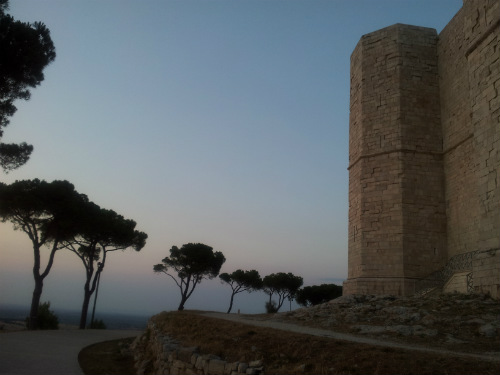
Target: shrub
97	324
271	307
316	294
46	318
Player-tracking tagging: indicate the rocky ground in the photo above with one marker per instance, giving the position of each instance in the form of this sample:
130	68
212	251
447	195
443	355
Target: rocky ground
469	323
443	334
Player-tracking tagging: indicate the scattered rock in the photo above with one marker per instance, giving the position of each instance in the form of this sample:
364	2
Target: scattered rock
368	329
242	367
398	310
475	321
447	318
453	340
428	320
401	330
331	321
418	330
488	330
257	363
301	368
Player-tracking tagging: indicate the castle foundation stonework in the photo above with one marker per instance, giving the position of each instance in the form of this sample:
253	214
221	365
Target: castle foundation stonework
424	157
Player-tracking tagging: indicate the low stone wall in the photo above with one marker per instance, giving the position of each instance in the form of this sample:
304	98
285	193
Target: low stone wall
159	354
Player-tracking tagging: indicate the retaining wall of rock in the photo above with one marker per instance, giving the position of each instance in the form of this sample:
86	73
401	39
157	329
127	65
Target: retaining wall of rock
159	354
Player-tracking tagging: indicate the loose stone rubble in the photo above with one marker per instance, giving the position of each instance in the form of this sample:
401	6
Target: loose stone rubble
445	319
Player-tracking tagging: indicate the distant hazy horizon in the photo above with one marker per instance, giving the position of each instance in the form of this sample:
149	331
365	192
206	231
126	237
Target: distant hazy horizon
112	320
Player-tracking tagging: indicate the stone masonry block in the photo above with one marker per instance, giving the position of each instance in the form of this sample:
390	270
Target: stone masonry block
216	367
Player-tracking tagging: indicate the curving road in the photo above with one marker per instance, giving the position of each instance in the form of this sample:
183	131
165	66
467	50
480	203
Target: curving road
50	352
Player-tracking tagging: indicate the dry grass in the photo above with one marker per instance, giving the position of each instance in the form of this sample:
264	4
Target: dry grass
290	353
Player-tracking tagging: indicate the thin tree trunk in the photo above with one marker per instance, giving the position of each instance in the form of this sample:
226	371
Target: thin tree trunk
230	304
184	293
37	292
281	299
88	289
181	305
85	308
35	303
95	299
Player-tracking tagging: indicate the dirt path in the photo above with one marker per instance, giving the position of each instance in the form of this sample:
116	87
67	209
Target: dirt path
345	337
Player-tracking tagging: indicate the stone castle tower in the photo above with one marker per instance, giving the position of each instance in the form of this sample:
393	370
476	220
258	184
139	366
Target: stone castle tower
424	157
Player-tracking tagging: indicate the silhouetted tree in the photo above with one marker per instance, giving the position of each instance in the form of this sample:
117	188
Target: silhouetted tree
48	214
192	263
316	294
285	285
25	50
241	281
100	232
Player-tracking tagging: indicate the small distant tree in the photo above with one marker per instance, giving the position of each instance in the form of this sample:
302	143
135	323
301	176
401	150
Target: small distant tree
100	232
285	285
241	281
316	294
189	265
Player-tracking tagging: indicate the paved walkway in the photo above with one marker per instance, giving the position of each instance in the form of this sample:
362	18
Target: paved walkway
50	352
347	337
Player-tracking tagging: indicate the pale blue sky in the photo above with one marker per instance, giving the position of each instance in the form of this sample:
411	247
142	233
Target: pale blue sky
222	122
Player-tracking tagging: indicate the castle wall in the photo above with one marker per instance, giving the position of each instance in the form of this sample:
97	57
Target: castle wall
457	138
469	61
469	65
422	179
482	32
397	220
424	153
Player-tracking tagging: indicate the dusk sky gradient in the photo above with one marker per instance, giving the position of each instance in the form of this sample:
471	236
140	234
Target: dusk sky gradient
221	122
